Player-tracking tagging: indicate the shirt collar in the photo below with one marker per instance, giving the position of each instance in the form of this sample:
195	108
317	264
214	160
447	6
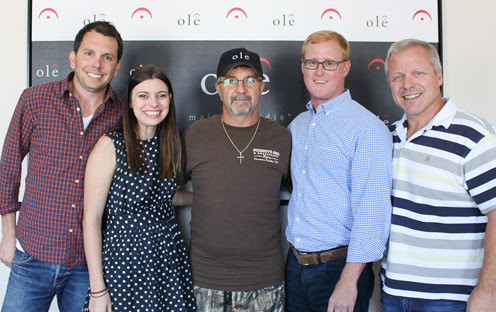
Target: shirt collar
64	86
332	105
443	118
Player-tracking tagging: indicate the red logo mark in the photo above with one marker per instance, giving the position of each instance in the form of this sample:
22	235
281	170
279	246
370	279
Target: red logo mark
265	61
421	14
141	12
236	14
377	60
331	16
48	12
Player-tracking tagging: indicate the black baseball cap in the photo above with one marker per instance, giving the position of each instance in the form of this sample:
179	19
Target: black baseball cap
237	57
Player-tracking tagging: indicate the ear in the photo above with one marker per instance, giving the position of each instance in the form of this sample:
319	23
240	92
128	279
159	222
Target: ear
262	86
439	77
72	59
302	67
117	68
217	87
346	68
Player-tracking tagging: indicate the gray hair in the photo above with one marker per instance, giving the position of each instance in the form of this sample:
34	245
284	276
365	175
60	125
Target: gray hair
408	43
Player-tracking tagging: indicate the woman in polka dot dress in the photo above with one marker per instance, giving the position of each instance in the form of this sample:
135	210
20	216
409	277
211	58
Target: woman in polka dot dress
131	177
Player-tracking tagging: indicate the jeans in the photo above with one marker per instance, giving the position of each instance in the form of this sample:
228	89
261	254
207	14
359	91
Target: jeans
308	288
399	304
33	284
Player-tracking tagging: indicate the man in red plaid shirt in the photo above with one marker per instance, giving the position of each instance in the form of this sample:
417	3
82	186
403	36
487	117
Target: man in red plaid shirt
57	124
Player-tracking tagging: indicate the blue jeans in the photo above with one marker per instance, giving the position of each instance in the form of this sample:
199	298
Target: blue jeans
308	288
33	284
399	304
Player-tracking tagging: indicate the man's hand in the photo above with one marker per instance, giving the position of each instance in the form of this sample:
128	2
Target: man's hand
7	250
343	297
8	242
481	300
483	297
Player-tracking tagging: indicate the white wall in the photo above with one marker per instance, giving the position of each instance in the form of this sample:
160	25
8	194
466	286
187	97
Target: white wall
469	50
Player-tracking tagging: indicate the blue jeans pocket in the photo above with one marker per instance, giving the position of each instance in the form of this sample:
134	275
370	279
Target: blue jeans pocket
334	268
21	257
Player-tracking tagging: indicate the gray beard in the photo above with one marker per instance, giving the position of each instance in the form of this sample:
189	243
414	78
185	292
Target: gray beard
241	112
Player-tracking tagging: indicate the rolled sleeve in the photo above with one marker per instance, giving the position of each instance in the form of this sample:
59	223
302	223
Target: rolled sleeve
16	147
370	193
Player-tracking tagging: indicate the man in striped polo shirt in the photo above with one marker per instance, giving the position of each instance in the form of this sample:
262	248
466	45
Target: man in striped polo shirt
441	252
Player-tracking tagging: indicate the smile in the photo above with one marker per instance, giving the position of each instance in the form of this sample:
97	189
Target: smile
412	96
320	81
94	75
152	113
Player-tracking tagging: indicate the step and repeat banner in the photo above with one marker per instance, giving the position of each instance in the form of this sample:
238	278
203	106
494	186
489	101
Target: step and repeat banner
186	38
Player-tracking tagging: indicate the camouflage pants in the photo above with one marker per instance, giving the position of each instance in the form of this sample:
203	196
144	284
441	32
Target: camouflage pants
268	299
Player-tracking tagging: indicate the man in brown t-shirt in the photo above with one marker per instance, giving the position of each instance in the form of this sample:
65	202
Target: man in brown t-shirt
237	162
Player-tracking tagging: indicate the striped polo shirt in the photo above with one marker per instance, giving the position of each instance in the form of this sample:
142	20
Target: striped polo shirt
444	182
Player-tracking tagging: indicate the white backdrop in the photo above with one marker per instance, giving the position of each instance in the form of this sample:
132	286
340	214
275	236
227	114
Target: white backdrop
468	57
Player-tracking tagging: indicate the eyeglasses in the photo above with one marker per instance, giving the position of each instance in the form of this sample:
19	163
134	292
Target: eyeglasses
327	65
248	82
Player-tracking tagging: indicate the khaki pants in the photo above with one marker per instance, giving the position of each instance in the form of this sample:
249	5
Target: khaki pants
268	299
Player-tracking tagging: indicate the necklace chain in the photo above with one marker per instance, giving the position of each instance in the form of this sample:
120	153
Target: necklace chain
240	157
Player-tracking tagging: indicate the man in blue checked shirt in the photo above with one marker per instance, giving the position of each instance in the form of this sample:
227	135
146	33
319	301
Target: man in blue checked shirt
340	207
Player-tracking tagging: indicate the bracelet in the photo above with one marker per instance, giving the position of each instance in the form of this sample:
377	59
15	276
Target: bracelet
105	291
97	292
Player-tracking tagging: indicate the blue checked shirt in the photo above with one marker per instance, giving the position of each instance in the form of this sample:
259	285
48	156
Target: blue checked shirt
341	172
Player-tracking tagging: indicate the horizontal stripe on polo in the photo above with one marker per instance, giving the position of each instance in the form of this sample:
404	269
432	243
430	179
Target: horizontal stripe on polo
444	181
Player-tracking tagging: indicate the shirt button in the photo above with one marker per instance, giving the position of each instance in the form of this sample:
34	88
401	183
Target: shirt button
76	181
81	133
327	113
298	240
78	109
303	171
299	195
306	148
298	219
313	124
73	205
81	157
71	230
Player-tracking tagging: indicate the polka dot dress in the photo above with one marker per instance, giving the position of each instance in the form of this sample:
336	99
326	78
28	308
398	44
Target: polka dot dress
144	259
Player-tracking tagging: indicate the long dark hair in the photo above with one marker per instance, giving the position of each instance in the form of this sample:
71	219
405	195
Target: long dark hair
169	145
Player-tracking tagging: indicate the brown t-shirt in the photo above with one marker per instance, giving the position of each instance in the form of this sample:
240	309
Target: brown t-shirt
235	225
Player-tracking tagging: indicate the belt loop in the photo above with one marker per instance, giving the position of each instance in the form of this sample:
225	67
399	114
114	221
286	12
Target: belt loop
227	301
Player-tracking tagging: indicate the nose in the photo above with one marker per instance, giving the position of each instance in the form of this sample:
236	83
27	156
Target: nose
408	82
320	69
241	86
153	101
97	62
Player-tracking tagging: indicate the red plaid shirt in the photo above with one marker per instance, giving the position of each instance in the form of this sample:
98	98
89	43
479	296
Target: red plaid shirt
48	124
